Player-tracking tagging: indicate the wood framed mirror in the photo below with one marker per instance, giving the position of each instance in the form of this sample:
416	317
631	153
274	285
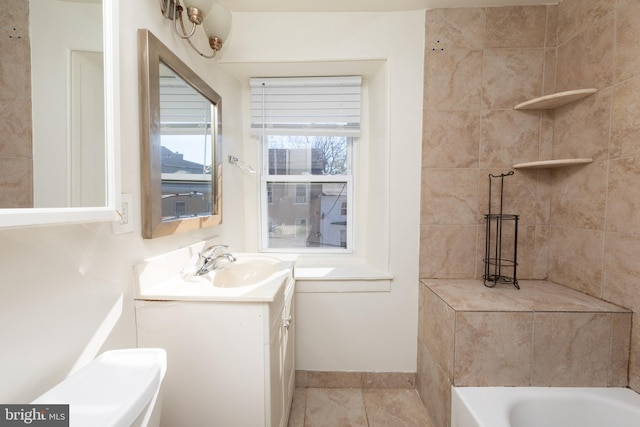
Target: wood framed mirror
180	130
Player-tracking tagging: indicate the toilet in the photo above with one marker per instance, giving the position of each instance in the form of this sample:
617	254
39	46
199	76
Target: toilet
120	388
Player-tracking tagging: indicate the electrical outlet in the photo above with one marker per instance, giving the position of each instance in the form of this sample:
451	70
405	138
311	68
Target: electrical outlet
125	223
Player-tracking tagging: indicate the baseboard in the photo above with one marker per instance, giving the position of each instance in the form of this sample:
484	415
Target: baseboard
336	379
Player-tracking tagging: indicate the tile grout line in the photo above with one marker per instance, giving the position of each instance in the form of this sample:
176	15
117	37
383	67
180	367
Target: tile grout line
364	405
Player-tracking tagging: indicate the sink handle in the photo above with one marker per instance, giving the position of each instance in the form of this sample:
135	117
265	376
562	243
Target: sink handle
211	250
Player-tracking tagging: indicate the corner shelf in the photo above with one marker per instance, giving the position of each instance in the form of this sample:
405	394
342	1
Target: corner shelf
548	164
550	102
555	100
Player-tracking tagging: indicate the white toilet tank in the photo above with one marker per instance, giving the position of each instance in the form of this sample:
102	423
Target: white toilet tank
120	388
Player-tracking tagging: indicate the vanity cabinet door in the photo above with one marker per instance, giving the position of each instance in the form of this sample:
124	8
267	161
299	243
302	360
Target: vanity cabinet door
276	378
288	348
281	358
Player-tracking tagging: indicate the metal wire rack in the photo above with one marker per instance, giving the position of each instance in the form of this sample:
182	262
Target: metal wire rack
499	267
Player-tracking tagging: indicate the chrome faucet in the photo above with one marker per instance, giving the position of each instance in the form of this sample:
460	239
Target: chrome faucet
208	259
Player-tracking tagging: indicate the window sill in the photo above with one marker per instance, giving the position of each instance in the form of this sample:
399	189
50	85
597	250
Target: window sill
341	278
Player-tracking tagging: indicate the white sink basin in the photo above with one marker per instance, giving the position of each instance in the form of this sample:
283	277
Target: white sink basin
246	271
171	277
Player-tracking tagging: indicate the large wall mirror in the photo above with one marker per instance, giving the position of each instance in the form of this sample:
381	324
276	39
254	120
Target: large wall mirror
180	144
57	95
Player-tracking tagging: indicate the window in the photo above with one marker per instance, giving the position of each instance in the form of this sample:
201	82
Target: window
301	194
181	209
307	128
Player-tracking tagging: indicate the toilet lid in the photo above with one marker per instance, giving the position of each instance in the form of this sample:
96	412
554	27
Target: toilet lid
112	390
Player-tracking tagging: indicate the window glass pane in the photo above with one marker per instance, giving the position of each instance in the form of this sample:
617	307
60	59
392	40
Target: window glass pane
186	153
186	175
320	221
307	155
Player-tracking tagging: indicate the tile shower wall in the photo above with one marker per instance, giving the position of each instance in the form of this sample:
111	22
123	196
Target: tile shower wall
580	226
479	63
15	106
594	229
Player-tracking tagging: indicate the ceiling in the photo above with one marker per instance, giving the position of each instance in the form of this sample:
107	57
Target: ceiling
364	5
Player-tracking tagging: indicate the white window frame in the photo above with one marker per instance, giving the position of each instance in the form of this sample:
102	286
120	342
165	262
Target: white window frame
367	269
331	107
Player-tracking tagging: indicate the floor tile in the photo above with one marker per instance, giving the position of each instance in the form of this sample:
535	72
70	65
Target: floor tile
296	416
337	407
354	407
395	408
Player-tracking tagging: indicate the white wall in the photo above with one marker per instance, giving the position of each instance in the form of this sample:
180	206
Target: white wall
66	291
352	331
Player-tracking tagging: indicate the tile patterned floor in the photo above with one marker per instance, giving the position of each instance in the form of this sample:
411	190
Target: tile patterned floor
354	407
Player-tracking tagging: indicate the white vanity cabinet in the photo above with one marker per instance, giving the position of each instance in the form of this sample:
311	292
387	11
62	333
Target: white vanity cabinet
230	363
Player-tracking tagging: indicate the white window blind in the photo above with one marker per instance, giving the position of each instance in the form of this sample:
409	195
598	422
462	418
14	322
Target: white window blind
183	110
306	106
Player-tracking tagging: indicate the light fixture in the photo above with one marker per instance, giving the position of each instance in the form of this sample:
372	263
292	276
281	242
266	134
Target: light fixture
214	18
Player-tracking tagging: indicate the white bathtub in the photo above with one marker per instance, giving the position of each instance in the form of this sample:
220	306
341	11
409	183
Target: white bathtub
544	407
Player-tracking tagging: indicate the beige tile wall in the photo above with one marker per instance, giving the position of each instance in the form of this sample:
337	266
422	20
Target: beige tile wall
594	233
580	226
479	64
15	106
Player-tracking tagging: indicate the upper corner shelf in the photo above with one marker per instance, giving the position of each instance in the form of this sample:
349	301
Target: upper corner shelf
555	100
547	164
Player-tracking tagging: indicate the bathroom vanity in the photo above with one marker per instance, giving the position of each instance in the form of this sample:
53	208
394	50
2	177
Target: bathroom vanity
230	350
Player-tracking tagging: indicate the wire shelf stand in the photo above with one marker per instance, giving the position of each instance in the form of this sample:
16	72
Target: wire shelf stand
499	267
